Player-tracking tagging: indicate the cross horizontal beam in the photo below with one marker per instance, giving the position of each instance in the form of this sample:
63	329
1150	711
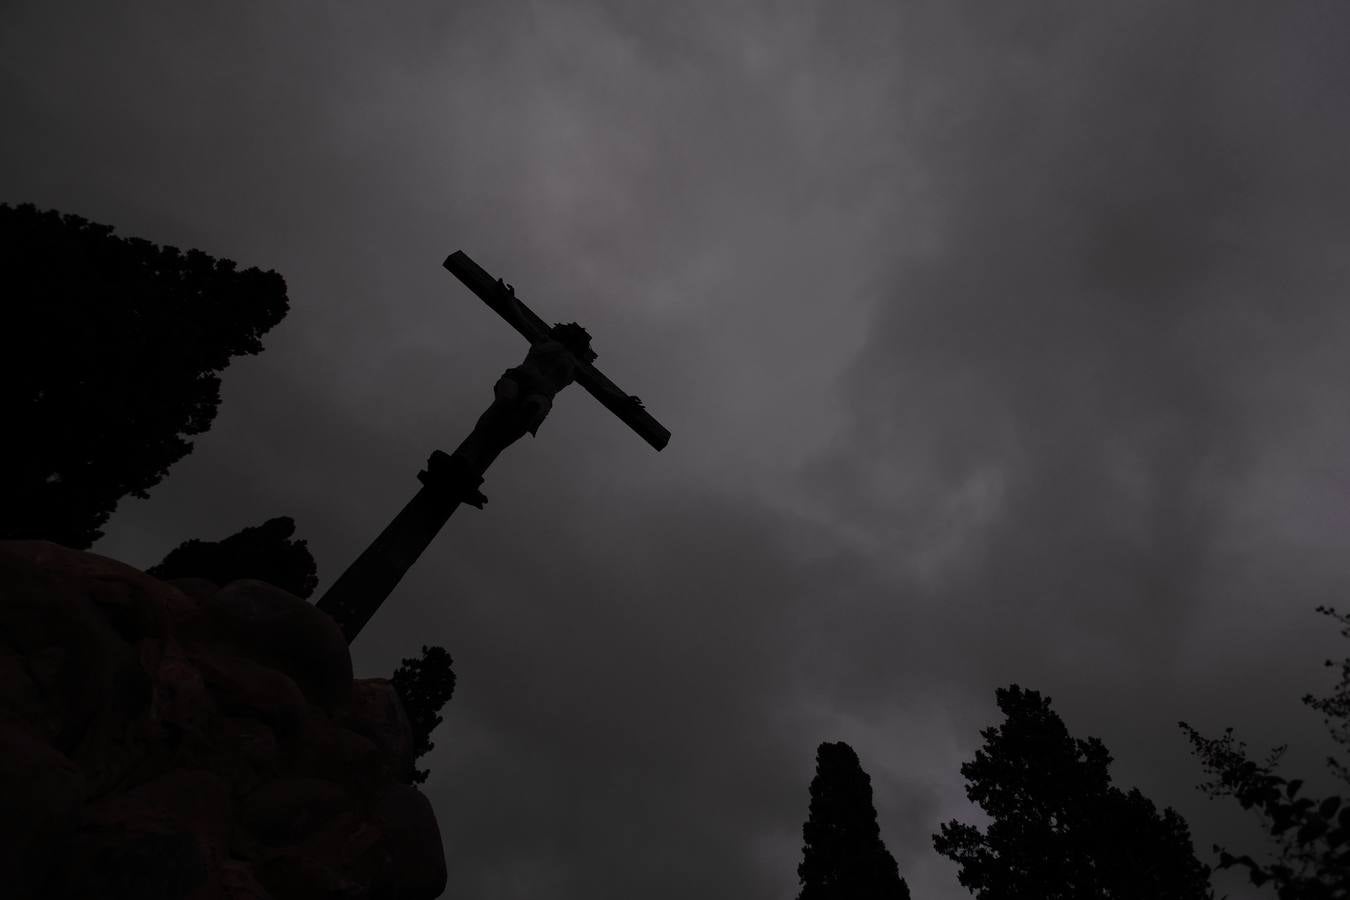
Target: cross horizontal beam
520	317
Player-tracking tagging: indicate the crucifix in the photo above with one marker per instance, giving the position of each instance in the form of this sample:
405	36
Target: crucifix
523	396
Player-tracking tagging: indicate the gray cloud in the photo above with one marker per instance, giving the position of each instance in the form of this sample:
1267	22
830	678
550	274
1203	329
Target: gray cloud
997	344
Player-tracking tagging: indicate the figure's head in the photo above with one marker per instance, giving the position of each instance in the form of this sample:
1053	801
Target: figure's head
574	338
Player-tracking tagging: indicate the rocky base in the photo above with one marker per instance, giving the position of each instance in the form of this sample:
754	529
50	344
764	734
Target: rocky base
184	740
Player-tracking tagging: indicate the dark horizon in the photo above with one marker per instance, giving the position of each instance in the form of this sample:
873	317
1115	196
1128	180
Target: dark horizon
997	345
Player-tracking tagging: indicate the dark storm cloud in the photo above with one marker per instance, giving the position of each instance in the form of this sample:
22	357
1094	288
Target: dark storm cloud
1068	396
998	343
1133	267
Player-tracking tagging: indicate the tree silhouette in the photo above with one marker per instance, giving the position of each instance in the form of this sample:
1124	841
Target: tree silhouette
424	685
844	857
1060	830
263	552
1311	836
108	359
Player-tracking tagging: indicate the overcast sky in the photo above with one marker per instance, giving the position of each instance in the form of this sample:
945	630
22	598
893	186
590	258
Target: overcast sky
998	342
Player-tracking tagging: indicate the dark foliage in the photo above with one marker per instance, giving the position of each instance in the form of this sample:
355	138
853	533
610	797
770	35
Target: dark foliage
108	358
425	685
264	552
844	857
1311	835
1060	830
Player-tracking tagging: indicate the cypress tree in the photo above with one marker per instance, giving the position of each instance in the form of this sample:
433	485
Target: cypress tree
844	857
110	357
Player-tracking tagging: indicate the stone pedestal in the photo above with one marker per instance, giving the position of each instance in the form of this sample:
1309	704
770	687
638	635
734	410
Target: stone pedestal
195	743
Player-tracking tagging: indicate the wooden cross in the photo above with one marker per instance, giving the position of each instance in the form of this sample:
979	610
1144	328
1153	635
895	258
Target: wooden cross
558	355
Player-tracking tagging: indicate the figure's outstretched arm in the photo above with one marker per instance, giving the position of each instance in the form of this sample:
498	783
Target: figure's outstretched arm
522	319
626	406
498	295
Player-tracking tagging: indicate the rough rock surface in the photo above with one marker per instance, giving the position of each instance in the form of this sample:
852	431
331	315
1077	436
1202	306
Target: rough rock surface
183	740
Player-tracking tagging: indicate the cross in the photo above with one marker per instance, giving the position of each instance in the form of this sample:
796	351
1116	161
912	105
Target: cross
523	396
